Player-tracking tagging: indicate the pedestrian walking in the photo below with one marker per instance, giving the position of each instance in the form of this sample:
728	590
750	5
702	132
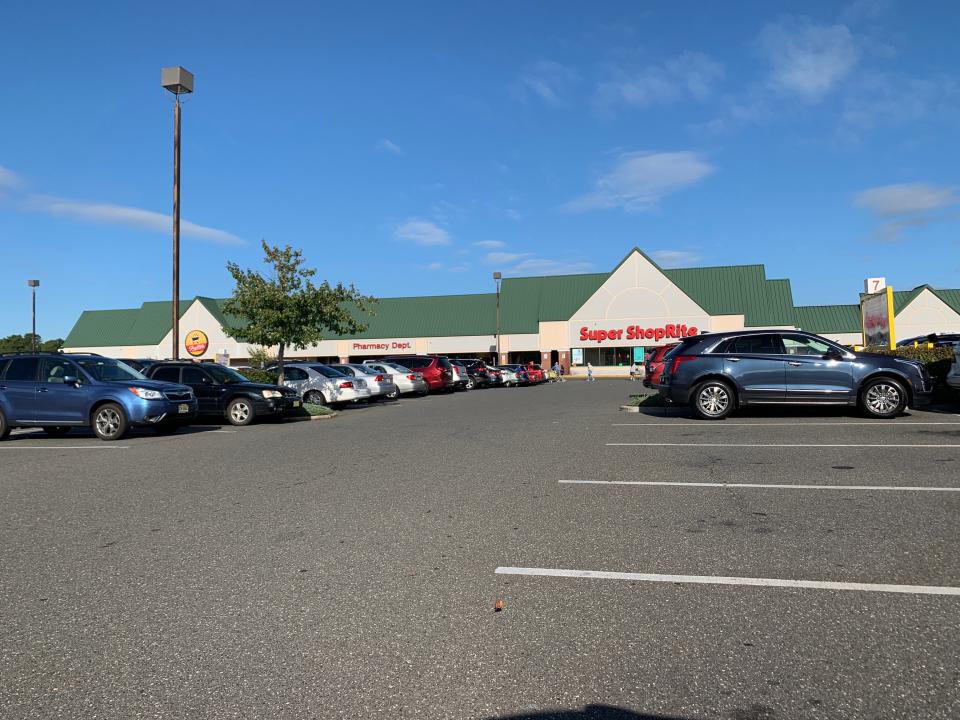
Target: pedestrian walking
634	371
589	372
558	369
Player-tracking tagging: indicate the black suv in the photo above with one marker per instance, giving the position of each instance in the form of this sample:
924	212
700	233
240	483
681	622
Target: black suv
477	370
225	393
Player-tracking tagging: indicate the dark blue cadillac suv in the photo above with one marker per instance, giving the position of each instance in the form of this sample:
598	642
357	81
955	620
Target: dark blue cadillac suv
718	372
58	392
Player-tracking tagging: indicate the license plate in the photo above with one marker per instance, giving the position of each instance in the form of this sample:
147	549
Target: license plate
296	403
183	409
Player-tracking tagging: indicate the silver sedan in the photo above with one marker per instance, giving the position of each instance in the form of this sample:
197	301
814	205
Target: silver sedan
381	385
406	380
322	385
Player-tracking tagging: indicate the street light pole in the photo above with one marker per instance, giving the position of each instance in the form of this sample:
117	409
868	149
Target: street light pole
178	81
496	278
34	284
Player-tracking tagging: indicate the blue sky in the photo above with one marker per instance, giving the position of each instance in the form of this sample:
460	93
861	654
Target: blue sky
414	148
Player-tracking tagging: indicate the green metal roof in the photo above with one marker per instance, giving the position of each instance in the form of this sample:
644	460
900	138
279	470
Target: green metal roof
524	303
432	316
737	290
829	318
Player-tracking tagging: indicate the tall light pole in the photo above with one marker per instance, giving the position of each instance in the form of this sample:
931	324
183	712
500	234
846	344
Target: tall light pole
496	278
33	285
180	82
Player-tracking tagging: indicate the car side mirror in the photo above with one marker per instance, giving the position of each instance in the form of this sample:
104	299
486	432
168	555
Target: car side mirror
71	380
833	354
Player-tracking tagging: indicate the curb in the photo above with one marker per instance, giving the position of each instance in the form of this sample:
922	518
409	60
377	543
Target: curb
311	418
630	408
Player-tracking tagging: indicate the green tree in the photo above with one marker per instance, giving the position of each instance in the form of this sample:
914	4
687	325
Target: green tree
287	309
260	357
22	343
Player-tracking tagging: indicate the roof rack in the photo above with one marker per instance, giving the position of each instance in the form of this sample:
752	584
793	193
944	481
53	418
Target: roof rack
28	352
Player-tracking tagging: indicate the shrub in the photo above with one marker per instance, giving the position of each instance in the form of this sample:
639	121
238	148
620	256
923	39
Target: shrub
937	359
259	376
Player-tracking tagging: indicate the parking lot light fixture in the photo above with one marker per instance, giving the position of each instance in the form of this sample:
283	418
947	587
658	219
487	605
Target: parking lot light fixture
179	81
33	285
497	277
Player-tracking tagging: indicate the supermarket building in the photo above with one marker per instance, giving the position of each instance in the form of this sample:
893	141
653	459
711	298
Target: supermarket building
600	318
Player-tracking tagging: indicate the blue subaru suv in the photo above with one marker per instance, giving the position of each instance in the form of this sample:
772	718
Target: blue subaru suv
716	373
59	392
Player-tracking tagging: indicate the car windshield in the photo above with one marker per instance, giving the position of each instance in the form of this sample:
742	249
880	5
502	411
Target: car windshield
224	375
327	371
107	369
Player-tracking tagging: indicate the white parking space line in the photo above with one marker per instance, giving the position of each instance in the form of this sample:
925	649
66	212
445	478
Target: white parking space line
233	431
720	580
875	423
774	486
782	445
64	447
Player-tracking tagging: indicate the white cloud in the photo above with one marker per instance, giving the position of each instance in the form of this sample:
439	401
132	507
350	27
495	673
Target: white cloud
550	81
807	60
388	145
421	232
896	99
639	180
9	180
110	214
906	199
545	266
504	258
690	75
435	266
490	244
675	258
906	206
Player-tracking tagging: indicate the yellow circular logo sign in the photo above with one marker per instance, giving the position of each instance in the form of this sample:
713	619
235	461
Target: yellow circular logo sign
196	342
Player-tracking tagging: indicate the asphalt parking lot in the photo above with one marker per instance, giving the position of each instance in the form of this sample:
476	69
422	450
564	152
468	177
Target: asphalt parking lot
648	565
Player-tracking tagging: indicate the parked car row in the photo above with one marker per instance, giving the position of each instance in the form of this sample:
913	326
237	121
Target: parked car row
58	392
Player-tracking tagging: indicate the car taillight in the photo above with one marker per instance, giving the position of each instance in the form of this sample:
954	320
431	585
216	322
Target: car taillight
346	385
411	377
379	378
679	360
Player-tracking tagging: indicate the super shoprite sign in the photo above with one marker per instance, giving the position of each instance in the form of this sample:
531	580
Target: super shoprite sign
638	332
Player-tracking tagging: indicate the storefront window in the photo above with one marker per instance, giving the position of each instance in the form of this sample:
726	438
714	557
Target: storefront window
604	356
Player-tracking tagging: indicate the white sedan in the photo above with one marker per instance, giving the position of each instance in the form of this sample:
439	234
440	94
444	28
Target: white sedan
406	380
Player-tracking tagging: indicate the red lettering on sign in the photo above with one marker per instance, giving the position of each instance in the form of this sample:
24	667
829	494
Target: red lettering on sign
635	332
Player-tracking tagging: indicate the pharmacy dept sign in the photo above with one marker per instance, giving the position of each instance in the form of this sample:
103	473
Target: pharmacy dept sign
616	333
381	347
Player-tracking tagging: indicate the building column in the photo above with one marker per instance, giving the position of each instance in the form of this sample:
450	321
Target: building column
565	361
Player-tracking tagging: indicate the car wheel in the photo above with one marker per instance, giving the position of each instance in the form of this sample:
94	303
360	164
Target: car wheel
166	428
712	400
240	411
393	395
883	398
57	430
470	384
315	397
109	422
4	427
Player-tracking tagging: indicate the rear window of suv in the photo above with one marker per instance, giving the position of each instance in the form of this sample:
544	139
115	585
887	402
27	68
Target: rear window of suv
21	369
415	362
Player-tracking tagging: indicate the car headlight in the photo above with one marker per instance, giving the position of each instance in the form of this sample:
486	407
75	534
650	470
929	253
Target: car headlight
272	393
147	394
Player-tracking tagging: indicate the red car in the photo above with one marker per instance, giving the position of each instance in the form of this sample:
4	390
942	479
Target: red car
535	373
655	364
436	370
